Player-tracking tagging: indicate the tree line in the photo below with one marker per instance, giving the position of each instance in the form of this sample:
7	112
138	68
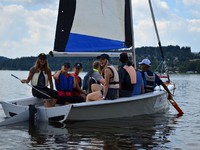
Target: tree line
178	59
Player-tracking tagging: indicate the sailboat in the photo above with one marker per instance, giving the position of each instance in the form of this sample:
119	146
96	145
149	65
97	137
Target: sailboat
87	28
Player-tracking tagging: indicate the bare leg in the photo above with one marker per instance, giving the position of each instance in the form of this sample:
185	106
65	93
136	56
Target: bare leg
94	96
96	87
50	102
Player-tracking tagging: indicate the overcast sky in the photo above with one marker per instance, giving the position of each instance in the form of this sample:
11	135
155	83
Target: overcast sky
27	27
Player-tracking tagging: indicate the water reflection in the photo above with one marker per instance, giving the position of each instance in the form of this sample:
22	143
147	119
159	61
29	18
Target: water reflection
144	132
161	131
48	135
127	133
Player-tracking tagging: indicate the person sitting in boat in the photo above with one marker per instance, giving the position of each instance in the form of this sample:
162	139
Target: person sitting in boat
40	77
93	80
95	83
77	69
127	76
66	84
139	86
110	74
150	78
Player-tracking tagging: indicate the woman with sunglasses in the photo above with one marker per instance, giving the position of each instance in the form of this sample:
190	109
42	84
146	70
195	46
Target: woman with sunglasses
40	77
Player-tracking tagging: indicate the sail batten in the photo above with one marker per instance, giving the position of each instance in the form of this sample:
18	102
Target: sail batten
93	26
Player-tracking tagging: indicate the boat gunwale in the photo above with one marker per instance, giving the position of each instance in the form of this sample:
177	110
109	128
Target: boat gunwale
120	100
98	102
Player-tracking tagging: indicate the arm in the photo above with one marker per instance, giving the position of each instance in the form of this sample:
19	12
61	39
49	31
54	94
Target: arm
102	80
30	75
50	79
99	77
142	87
169	93
159	82
121	76
77	87
108	74
56	74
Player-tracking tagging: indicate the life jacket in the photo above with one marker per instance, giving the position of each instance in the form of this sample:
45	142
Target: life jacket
89	80
35	78
78	79
139	83
132	73
86	79
64	85
115	79
149	82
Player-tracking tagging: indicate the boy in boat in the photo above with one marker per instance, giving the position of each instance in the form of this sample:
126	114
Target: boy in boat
66	84
127	76
95	83
150	78
93	80
139	86
77	69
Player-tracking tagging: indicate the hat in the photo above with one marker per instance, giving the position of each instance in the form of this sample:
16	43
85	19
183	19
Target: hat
145	62
104	56
42	56
67	65
123	57
78	65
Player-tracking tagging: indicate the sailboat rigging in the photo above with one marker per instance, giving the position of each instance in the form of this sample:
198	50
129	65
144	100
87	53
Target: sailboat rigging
158	38
101	30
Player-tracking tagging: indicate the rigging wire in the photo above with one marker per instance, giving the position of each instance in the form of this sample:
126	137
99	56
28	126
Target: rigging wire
158	38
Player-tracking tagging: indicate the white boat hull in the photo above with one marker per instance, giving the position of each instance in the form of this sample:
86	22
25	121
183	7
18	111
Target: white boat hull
123	107
148	103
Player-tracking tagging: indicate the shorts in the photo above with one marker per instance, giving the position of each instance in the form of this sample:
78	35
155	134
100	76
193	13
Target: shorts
112	94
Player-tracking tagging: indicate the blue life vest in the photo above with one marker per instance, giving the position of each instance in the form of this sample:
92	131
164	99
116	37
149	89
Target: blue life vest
65	83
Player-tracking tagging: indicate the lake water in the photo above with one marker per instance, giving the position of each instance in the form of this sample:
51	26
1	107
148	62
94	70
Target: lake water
159	131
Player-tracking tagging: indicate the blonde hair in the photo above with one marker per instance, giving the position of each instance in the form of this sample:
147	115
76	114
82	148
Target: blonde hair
102	68
38	66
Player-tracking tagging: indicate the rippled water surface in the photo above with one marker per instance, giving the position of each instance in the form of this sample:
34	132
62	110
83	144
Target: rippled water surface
159	131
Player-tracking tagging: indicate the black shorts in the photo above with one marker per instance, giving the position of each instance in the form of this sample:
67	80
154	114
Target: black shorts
70	99
112	94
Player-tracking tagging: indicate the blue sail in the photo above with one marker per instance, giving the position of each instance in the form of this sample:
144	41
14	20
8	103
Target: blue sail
93	26
84	43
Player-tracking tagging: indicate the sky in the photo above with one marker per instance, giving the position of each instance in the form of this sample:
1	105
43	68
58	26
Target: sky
27	27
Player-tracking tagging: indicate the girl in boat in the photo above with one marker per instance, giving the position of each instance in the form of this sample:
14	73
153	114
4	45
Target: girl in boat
110	74
111	86
40	77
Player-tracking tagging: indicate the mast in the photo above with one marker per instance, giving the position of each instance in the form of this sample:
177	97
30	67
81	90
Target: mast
132	31
159	42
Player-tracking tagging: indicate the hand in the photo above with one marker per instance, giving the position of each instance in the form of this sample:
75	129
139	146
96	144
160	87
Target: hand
24	81
170	96
102	98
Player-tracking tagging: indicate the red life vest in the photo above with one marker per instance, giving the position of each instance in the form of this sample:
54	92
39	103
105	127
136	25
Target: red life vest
78	79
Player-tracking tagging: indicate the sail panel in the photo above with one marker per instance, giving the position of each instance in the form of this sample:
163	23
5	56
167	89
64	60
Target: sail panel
92	25
84	43
65	19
